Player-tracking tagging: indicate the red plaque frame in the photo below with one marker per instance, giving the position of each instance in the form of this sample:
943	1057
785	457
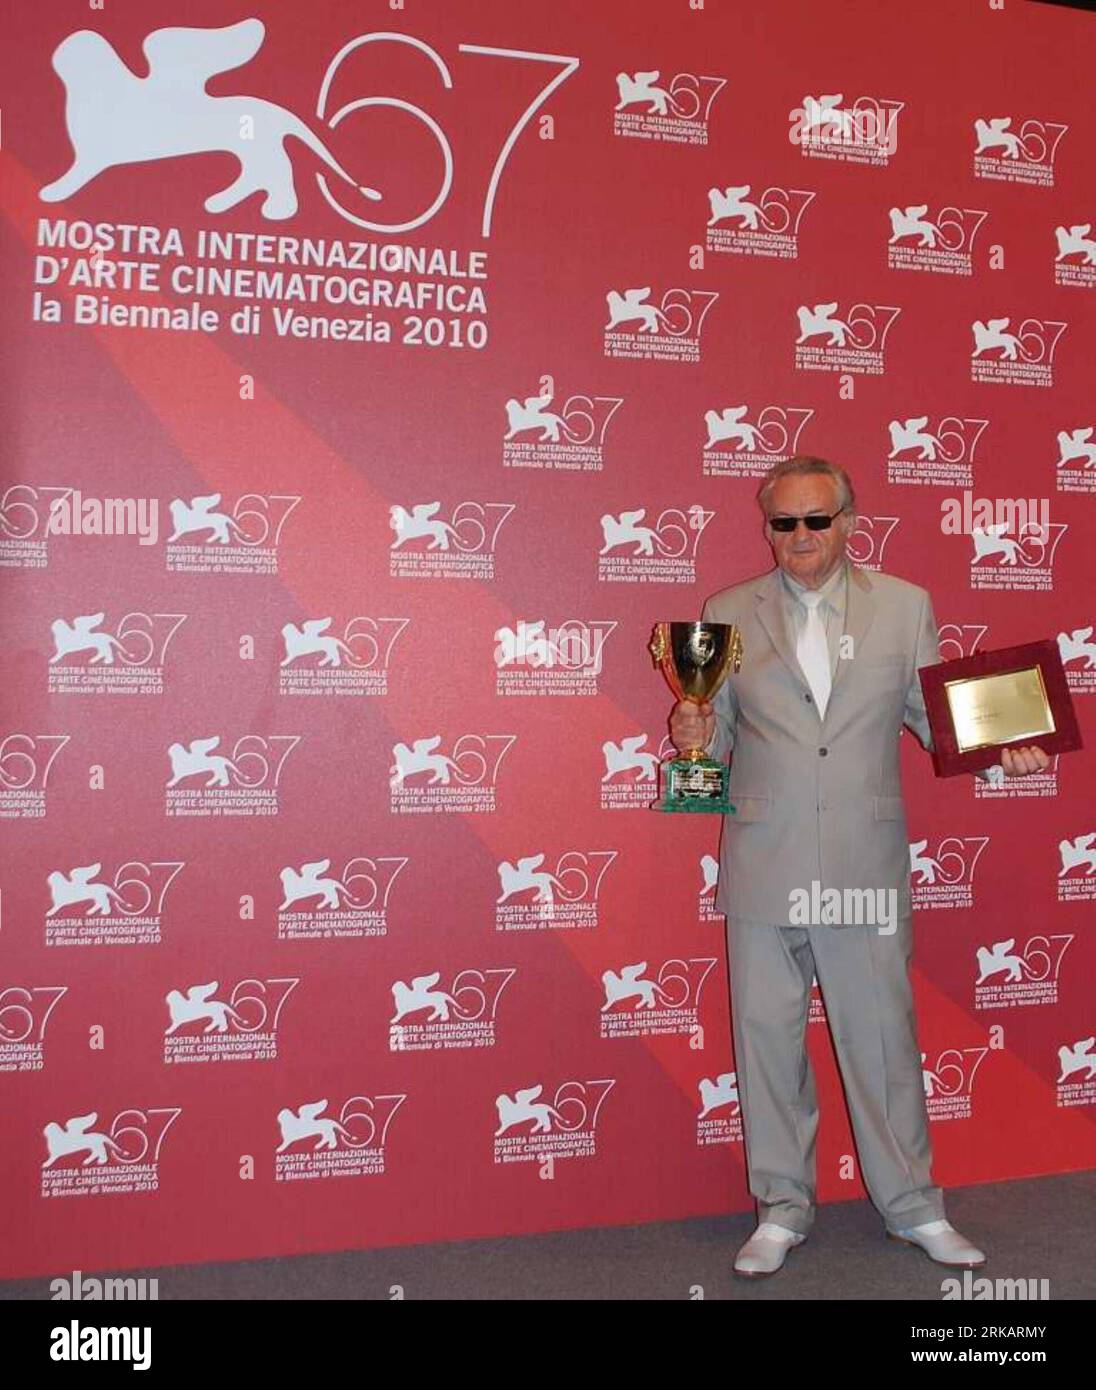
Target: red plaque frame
947	758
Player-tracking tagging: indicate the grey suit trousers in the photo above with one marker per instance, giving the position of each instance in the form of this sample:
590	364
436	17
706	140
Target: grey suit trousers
864	980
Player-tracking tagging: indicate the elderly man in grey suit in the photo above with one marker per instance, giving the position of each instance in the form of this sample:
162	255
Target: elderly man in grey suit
813	719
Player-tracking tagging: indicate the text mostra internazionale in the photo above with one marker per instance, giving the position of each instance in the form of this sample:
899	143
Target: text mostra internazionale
275	267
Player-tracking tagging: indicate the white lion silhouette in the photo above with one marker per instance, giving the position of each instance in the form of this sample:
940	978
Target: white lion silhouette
911	221
995	540
196	1005
309	1122
732	202
532	413
418	522
817	321
1001	960
1075	646
722	1091
924	865
114	117
730	423
308	882
79	887
911	434
629	306
641	87
996	132
991	334
200	514
626	756
196	758
1080	852
309	638
516	1109
1079	1057
80	636
524	875
420	994
625	530
1075	241
1076	444
76	1135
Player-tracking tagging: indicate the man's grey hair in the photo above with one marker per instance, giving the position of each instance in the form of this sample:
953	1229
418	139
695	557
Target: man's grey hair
799	465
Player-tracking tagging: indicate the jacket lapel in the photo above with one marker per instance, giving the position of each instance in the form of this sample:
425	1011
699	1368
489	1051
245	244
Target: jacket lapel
770	614
859	612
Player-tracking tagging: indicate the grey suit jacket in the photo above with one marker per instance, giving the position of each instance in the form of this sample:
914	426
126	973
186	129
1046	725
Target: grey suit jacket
818	799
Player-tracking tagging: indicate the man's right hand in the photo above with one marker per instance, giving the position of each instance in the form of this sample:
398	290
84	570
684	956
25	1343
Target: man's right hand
691	725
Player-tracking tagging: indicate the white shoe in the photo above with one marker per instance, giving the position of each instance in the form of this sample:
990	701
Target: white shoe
765	1250
942	1243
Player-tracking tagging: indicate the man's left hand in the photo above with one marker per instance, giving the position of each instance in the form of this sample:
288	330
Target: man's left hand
1018	762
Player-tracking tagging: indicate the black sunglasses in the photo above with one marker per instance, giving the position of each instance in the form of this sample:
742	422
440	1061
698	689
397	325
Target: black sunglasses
817	521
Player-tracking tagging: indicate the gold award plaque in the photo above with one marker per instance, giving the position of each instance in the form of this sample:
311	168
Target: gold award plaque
1000	708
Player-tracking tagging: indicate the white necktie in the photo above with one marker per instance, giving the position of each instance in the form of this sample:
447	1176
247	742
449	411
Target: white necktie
813	651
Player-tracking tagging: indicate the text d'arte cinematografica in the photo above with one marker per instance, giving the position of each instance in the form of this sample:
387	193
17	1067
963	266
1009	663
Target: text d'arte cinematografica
100	261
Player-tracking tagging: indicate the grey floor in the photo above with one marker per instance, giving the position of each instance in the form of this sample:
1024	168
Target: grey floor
1039	1228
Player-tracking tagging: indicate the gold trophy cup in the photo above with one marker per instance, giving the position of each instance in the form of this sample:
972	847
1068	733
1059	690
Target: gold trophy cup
695	658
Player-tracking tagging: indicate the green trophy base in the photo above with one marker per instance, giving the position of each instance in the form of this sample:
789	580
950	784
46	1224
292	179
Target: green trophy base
694	784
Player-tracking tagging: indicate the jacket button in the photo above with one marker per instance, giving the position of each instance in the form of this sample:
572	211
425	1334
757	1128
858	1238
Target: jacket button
822	752
807	698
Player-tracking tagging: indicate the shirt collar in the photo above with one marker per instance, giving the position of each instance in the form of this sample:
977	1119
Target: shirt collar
828	591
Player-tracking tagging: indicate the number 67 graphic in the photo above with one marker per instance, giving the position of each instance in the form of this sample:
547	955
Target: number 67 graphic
567	67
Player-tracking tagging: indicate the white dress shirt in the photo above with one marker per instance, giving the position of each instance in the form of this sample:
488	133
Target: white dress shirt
832	611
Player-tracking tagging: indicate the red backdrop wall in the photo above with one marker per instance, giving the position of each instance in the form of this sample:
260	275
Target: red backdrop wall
611	276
